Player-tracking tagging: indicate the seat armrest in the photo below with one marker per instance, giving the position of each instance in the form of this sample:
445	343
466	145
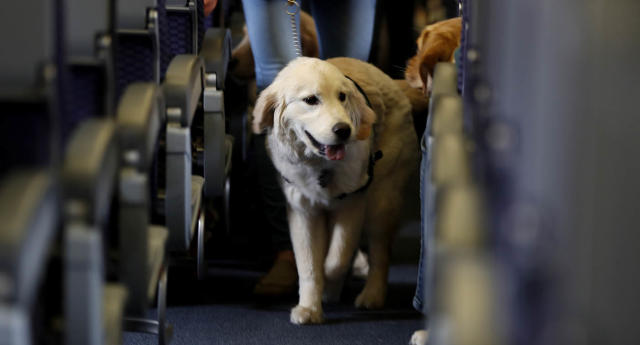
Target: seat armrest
216	53
157	240
29	210
183	87
89	170
140	115
115	297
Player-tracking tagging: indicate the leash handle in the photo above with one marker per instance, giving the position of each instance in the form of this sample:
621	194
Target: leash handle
292	9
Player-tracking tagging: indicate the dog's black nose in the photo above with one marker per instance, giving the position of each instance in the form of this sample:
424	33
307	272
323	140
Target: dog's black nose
342	130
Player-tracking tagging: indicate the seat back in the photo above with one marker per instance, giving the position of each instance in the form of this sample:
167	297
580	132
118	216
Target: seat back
141	54
31	80
89	169
182	27
87	123
91	83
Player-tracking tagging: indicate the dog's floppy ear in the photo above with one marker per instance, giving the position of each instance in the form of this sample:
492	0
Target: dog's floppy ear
264	111
426	73
366	115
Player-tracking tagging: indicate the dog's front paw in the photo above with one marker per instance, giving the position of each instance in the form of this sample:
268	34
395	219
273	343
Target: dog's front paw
302	315
370	298
419	337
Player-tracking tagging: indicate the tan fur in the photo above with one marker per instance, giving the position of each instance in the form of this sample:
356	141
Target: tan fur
325	230
419	103
436	43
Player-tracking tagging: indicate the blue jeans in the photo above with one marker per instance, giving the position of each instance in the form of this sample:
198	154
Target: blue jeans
345	28
422	298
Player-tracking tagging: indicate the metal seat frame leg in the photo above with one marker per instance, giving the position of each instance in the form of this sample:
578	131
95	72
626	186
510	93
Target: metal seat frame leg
159	326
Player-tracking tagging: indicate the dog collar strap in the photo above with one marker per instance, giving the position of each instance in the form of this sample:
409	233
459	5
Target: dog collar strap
373	158
361	91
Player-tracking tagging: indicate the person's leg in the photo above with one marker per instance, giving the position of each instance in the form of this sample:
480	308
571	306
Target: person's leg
270	33
282	278
418	298
345	28
269	28
273	200
421	300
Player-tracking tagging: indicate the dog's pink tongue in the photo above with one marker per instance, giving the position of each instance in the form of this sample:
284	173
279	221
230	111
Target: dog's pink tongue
335	152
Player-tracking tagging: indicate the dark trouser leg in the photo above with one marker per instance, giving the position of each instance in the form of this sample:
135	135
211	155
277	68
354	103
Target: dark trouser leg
273	200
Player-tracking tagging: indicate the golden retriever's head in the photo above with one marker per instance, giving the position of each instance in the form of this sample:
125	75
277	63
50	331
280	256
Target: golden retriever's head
436	43
311	103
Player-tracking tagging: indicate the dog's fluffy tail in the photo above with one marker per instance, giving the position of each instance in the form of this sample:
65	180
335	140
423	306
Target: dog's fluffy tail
419	101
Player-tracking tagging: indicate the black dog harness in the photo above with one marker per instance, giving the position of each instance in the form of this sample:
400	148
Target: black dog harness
373	158
361	91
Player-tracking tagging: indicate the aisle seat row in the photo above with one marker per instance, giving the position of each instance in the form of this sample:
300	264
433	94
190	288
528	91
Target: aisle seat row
112	140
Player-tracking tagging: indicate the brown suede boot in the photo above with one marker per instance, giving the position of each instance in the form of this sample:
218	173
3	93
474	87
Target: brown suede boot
282	278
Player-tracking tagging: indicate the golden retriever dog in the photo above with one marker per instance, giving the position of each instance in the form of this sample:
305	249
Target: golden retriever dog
340	134
436	43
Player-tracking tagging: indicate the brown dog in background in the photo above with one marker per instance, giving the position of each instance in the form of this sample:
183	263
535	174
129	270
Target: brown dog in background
436	43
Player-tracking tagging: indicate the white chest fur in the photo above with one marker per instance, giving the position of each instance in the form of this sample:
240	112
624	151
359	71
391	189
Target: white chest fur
316	181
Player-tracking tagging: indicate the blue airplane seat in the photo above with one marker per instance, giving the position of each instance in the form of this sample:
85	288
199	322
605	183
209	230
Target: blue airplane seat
94	300
140	55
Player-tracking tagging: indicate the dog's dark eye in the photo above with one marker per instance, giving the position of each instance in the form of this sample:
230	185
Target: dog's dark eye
311	100
342	96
